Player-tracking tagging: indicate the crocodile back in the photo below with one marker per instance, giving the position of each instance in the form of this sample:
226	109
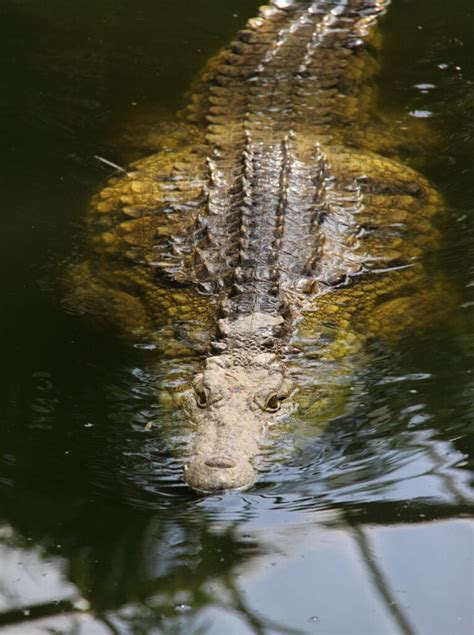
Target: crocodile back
269	205
286	209
277	220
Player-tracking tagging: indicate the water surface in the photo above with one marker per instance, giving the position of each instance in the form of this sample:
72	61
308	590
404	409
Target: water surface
365	529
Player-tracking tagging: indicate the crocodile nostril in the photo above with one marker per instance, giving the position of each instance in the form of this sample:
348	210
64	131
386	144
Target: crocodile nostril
220	462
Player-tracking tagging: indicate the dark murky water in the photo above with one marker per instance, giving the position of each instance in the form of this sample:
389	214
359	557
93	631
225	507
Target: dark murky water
366	529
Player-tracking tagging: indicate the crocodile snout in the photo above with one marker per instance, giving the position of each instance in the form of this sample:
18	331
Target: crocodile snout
219	473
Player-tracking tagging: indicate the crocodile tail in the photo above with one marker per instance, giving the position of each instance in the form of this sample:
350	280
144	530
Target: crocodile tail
288	66
366	6
363	11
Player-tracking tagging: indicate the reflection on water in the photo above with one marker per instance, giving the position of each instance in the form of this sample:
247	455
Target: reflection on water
217	565
365	528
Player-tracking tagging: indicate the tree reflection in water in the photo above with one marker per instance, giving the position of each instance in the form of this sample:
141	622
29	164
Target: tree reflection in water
163	572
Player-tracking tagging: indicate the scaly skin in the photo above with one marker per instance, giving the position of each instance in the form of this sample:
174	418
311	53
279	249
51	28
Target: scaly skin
275	232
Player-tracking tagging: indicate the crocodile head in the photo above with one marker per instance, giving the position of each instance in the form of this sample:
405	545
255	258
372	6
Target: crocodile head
236	398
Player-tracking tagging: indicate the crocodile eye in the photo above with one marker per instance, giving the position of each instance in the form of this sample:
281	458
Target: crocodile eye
200	391
272	403
202	396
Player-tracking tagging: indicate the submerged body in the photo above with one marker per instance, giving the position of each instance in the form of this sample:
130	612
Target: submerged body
276	225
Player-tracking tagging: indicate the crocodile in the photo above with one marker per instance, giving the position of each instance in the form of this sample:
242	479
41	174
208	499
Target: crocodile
281	225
